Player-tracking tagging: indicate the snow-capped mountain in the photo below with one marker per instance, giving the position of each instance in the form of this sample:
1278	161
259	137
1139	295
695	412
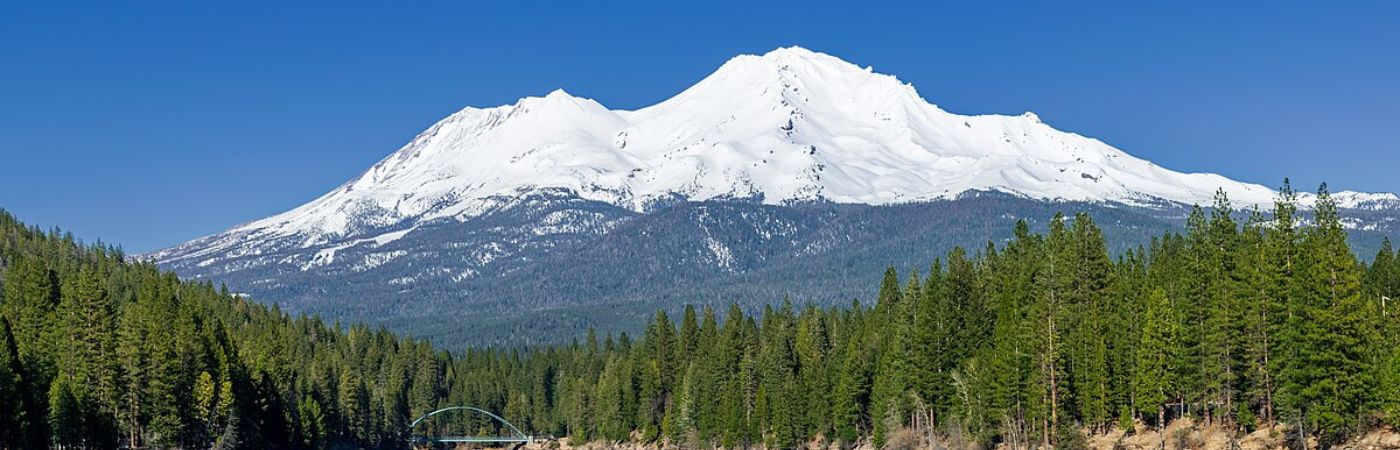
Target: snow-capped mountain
789	128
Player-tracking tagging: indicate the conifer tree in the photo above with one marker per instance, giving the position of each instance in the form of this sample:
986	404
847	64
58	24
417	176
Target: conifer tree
1383	278
1049	312
31	296
86	313
931	327
611	402
14	410
312	424
1089	302
1008	359
353	407
1329	382
812	344
66	415
1194	306
654	374
1218	299
853	383
1156	353
687	341
682	416
888	405
1282	288
1129	296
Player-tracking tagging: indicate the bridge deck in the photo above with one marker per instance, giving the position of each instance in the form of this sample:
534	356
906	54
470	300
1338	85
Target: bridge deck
480	439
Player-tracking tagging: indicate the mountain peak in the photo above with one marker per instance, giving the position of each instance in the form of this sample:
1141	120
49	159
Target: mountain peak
555	97
489	204
791	80
789	125
799	55
794	51
792	64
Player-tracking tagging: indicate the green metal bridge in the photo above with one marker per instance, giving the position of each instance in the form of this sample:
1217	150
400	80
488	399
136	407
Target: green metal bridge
515	438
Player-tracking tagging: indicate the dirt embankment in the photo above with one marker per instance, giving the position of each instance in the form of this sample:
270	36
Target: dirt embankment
1184	434
1181	434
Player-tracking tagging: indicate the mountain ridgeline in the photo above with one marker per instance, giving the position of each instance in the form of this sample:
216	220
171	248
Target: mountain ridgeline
1242	321
792	173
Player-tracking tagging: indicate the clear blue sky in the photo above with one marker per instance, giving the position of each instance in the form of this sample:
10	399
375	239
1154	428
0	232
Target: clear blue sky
147	124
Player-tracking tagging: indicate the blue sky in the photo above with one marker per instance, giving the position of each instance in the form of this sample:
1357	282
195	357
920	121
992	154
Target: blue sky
147	124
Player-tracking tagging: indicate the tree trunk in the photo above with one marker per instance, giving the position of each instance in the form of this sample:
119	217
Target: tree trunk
1162	427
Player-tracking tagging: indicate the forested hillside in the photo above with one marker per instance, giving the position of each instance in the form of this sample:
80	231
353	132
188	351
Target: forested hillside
97	352
538	285
1240	321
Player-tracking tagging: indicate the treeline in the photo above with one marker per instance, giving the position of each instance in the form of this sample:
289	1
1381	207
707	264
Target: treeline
100	352
1245	320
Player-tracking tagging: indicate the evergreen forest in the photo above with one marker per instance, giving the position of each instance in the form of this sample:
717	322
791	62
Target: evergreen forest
1244	319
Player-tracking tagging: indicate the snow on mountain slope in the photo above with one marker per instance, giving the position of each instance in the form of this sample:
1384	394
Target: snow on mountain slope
789	126
1363	200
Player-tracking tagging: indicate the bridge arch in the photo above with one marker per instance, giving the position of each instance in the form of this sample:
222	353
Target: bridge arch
518	436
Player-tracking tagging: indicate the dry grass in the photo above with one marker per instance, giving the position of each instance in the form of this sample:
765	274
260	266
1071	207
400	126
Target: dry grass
903	439
1181	434
1379	439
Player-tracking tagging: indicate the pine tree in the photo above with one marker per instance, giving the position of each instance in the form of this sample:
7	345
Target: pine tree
1193	306
853	384
888	389
1049	313
1219	280
133	358
1329	382
1089	300
1008	359
688	341
66	415
614	388
206	401
931	327
711	378
682	415
425	392
1129	297
813	347
168	379
1380	276
1389	372
655	373
1284	300
86	313
1384	280
15	412
777	366
354	407
31	296
1156	353
312	424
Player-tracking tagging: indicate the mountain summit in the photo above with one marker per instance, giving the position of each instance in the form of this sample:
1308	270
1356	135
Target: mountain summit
791	125
789	128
